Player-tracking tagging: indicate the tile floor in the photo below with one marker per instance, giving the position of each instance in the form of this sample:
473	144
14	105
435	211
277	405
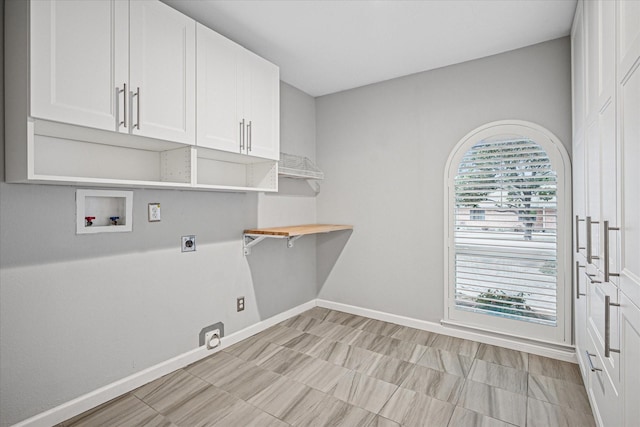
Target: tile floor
328	368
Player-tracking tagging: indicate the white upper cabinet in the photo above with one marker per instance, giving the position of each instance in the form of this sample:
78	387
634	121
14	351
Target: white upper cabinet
162	67
79	57
262	107
114	65
219	88
238	98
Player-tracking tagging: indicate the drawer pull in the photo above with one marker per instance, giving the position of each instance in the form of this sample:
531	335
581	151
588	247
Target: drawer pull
607	326
591	367
590	256
578	221
578	267
607	229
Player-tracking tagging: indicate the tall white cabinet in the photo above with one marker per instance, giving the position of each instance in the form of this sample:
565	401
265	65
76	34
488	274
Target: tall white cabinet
606	154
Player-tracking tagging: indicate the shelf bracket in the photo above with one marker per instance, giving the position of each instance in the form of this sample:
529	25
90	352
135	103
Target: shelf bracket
292	239
251	240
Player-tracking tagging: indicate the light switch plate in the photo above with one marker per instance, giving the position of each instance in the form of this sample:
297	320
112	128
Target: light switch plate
154	212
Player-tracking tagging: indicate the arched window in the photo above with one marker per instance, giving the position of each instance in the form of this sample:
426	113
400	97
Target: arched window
508	232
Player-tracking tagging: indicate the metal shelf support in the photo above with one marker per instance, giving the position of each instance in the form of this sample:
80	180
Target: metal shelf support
250	240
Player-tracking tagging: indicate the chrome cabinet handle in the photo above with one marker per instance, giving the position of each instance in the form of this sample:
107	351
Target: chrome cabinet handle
242	136
590	277
138	109
131	96
591	367
249	133
578	221
607	326
607	229
122	91
590	256
578	267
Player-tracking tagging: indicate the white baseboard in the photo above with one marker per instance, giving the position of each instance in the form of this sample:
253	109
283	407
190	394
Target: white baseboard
529	347
111	391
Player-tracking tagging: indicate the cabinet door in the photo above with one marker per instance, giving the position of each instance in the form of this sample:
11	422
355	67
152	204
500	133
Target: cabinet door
629	357
262	109
629	159
219	91
604	397
79	59
598	328
606	51
578	65
628	14
609	191
162	68
593	177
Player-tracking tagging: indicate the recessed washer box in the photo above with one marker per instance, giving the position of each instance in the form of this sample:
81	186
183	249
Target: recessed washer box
103	211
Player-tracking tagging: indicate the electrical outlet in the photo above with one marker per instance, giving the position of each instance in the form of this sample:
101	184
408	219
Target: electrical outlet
240	304
188	243
154	212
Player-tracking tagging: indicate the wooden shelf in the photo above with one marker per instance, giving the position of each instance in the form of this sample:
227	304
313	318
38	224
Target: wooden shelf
291	233
298	230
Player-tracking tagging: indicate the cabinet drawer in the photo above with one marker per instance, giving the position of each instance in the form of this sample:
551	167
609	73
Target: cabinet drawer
604	397
598	328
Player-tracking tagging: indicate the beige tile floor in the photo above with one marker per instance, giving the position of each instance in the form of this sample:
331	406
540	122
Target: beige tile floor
328	368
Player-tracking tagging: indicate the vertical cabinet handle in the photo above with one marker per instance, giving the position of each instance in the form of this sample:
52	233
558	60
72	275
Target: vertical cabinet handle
578	267
607	326
591	367
249	134
138	109
607	229
590	256
122	91
578	221
242	135
131	96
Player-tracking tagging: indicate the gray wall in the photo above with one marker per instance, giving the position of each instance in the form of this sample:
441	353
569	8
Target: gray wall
383	149
79	312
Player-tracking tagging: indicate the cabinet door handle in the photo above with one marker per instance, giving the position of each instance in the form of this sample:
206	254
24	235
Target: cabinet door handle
138	109
242	136
590	277
607	326
131	96
122	91
607	229
590	256
249	134
591	367
578	267
578	221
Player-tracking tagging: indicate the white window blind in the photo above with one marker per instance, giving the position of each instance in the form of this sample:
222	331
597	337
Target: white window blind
506	259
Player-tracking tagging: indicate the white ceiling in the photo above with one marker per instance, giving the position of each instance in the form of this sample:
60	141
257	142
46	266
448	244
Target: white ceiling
325	46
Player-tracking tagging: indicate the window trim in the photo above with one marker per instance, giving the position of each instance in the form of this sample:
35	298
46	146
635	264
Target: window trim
562	334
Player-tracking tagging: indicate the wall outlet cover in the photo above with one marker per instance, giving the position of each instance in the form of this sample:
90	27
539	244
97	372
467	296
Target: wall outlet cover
154	212
188	243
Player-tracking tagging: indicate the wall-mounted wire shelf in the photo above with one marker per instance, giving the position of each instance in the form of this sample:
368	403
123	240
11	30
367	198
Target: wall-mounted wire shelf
292	166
